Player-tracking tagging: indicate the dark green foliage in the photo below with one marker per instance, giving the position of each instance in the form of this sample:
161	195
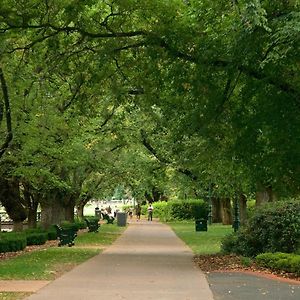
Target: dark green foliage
272	228
36	236
74	226
81	224
180	210
280	261
12	242
52	234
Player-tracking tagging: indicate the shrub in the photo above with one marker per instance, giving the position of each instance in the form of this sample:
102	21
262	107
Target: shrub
272	228
179	210
12	242
69	225
280	261
52	234
36	238
81	224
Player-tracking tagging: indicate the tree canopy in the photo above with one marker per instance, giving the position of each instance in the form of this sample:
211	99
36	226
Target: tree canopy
166	96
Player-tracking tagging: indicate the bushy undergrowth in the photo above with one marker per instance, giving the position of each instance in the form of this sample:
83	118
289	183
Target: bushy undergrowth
74	226
272	228
179	210
12	242
81	224
280	261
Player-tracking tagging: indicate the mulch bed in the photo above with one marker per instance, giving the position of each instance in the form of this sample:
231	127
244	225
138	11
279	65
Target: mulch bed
8	255
233	263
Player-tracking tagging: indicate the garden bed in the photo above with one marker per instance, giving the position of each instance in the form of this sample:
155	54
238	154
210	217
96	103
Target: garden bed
233	263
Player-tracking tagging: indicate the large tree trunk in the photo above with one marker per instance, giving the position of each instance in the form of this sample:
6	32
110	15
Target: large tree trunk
17	226
69	208
32	216
32	205
52	210
80	208
264	195
10	199
216	210
226	211
243	209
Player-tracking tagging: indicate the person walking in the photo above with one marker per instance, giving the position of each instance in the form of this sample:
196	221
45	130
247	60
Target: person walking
138	211
150	212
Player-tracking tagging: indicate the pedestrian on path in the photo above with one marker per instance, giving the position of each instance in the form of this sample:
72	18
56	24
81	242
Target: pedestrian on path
150	212
138	210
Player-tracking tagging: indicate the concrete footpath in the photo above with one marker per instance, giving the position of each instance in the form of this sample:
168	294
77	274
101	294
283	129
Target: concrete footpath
147	262
243	286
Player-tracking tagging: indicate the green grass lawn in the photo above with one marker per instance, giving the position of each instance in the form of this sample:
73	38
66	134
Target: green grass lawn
44	264
13	295
107	234
50	263
201	242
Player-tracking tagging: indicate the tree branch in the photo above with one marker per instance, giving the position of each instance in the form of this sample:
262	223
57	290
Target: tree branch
247	70
149	147
108	118
68	104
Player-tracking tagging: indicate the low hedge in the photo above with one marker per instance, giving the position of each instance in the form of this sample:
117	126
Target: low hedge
179	210
69	225
52	234
280	262
12	242
36	238
81	224
16	241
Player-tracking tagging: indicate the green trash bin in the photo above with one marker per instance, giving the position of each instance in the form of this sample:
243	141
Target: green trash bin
201	225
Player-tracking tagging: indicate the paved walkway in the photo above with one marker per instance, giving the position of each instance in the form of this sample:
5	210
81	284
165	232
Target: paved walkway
147	262
242	286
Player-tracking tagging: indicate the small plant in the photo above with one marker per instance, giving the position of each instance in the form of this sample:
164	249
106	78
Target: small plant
246	261
280	261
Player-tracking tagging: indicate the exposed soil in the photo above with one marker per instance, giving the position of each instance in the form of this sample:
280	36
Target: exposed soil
233	263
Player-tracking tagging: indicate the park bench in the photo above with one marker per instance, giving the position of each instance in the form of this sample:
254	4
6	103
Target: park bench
92	224
109	219
66	236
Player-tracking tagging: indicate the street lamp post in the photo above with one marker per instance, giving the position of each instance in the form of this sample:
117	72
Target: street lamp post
209	206
236	214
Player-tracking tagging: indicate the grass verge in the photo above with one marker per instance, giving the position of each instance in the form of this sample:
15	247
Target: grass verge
13	295
201	242
44	264
50	263
107	234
